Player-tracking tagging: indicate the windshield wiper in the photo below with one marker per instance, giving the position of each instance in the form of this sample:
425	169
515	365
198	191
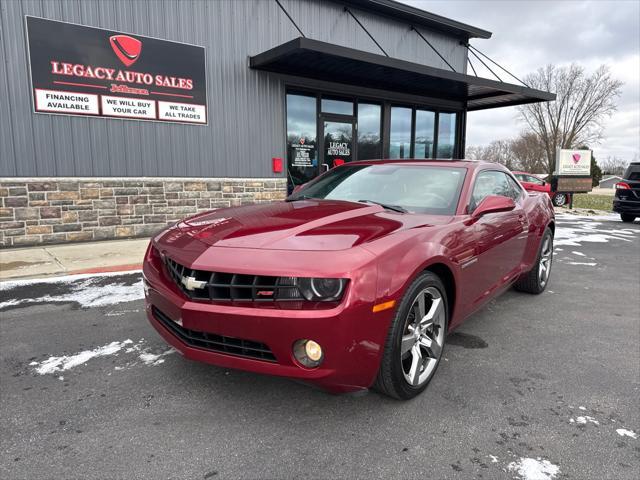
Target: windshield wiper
299	197
395	208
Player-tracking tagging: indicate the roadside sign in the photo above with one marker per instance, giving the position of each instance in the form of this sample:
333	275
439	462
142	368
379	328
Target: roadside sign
573	162
573	184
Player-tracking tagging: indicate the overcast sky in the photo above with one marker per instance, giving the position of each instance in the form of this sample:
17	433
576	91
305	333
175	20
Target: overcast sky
530	34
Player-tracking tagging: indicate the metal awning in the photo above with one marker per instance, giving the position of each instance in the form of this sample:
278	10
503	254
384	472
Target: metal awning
305	57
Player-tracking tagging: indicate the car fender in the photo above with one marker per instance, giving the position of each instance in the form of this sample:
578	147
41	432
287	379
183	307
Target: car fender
401	264
540	214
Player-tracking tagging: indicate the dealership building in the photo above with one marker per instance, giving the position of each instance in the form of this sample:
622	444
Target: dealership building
119	117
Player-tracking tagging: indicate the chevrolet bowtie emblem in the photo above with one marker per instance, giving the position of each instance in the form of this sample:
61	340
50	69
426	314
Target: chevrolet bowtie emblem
190	283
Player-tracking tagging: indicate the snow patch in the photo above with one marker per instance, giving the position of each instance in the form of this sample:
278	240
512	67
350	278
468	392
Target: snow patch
582	408
66	362
493	458
86	290
534	469
623	432
574	230
587	419
6	285
154	359
580	254
589	264
119	313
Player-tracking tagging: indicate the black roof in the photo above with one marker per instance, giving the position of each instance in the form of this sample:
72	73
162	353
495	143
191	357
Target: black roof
305	57
416	16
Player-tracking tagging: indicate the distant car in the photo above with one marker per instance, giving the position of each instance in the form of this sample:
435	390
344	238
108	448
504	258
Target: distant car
531	183
355	280
626	201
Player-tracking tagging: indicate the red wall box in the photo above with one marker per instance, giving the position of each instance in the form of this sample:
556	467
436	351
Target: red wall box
276	164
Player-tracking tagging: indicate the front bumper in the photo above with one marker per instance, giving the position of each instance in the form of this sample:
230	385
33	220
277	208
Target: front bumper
352	337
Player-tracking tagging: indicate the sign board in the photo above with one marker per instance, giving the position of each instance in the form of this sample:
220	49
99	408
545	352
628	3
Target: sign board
80	70
573	162
303	153
573	184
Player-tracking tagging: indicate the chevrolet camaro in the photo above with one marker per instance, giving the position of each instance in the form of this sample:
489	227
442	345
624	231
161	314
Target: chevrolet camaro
355	280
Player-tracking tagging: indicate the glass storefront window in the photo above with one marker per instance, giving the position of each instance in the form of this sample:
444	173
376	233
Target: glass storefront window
341	107
369	138
400	134
302	161
446	135
425	130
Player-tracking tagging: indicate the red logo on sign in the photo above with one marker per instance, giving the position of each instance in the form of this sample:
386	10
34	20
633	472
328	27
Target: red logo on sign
302	141
126	48
576	157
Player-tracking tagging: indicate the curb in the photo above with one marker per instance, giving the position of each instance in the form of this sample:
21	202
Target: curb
114	268
86	271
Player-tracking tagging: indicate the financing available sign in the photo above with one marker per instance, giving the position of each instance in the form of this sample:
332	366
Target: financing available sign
573	162
80	70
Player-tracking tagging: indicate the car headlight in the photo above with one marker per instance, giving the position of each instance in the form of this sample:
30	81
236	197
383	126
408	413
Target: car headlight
321	289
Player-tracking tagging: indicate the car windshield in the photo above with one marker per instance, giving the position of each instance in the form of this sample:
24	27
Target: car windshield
419	189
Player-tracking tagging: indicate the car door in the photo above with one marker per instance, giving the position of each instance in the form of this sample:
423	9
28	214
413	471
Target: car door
524	181
535	184
500	238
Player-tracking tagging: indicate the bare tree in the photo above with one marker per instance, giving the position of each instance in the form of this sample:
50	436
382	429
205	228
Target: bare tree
577	115
498	151
529	153
613	166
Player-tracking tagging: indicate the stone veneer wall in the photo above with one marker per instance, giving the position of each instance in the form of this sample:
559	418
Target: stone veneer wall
36	211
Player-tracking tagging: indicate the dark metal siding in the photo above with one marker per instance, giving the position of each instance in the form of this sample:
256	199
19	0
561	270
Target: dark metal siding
245	107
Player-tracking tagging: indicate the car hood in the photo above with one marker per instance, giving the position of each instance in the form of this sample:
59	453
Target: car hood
300	225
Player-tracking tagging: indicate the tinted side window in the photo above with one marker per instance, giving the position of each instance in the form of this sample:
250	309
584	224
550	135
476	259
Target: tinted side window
632	173
491	182
532	179
516	190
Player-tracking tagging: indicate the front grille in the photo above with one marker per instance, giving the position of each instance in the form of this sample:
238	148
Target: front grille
233	286
216	343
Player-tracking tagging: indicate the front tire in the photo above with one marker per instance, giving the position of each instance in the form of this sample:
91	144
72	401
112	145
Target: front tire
627	217
415	340
560	199
536	280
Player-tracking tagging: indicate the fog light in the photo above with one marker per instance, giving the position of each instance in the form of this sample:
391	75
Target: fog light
308	353
313	350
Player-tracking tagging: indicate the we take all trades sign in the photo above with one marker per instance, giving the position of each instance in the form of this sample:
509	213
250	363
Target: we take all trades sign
80	70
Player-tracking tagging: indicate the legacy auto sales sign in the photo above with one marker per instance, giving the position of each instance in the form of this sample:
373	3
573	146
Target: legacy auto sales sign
573	162
79	70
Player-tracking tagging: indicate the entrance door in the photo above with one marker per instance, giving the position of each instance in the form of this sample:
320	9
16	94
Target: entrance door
337	143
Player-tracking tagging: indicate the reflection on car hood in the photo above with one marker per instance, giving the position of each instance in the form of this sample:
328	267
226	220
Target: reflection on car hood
300	225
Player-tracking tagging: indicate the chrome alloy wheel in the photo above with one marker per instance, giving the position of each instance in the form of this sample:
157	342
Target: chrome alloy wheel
423	336
559	199
546	257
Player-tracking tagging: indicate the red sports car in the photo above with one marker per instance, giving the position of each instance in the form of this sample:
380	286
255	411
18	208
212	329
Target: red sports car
355	280
531	183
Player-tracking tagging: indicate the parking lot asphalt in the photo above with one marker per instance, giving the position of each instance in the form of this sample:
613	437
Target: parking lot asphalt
530	387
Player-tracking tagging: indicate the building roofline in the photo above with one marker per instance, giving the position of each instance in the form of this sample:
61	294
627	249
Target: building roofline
417	16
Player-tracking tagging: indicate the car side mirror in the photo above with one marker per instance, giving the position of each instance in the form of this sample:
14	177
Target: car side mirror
493	204
297	188
544	183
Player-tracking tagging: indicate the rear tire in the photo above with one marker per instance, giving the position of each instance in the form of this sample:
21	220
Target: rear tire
627	217
560	199
537	279
416	338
